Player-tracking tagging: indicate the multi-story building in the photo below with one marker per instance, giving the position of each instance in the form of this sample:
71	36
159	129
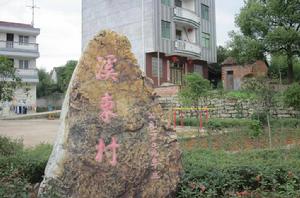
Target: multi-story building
181	33
18	43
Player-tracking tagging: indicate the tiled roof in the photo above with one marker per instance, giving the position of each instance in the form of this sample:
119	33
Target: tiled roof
18	25
229	61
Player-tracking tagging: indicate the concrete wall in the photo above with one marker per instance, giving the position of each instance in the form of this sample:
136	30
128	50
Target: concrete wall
208	26
56	101
122	16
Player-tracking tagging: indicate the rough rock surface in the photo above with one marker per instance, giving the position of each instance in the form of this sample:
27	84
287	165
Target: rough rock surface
112	141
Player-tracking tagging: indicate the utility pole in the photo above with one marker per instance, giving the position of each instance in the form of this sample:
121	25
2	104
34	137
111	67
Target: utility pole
33	7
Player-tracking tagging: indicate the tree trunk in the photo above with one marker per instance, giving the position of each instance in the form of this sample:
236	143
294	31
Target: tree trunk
269	130
290	72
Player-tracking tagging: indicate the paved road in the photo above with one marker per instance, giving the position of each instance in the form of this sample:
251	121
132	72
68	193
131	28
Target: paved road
32	132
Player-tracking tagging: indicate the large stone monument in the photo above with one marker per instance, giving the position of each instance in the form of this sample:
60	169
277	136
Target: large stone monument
112	141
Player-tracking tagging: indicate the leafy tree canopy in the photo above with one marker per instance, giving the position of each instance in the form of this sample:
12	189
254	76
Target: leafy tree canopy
8	79
64	75
269	26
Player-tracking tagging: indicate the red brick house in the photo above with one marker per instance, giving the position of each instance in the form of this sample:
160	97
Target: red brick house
233	74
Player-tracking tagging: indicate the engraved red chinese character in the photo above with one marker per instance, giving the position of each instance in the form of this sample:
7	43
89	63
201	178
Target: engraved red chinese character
105	68
101	149
155	175
106	106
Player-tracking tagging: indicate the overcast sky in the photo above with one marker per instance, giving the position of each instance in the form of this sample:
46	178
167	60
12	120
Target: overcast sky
60	24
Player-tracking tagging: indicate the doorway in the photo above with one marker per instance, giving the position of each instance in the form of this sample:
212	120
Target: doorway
9	40
176	73
229	80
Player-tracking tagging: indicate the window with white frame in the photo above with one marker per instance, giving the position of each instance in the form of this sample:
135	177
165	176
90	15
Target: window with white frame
23	40
155	67
23	64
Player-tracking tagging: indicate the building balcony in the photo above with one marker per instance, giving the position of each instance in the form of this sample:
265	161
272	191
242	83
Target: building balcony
10	48
183	15
187	48
28	75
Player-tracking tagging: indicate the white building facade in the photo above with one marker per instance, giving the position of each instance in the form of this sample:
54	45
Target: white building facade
182	33
18	44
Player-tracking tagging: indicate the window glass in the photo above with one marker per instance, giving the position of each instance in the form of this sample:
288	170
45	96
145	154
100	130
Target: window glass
204	12
155	69
166	29
23	39
166	2
178	34
23	64
205	40
178	3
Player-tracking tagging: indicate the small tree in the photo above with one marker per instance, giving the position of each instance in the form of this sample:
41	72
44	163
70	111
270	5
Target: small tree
195	88
45	87
8	79
265	95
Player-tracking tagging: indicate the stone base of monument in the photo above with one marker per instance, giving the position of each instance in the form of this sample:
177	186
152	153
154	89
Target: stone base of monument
112	141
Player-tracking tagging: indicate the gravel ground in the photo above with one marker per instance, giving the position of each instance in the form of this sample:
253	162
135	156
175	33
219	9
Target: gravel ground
32	132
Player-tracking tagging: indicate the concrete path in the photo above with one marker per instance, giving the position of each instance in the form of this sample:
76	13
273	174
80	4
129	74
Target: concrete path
32	132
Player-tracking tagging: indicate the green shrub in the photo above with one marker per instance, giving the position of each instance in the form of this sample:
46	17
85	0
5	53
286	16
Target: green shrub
285	122
22	167
292	96
219	174
240	95
230	123
260	116
10	147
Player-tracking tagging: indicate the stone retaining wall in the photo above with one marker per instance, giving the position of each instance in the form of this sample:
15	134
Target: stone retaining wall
229	108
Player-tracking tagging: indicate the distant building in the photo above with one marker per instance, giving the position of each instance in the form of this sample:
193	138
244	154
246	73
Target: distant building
182	31
233	74
18	43
54	74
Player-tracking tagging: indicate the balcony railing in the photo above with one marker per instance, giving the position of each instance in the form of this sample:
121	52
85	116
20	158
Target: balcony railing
186	15
10	45
28	75
187	47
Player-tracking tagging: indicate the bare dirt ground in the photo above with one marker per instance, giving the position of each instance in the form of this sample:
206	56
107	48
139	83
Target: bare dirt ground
32	132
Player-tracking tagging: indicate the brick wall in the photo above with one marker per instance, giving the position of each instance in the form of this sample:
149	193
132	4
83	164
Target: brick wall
259	68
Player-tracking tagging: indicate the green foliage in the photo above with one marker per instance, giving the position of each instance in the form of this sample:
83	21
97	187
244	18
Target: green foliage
240	95
64	75
279	63
292	96
260	116
10	147
285	122
219	174
45	87
195	87
245	49
264	91
8	79
274	24
21	168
